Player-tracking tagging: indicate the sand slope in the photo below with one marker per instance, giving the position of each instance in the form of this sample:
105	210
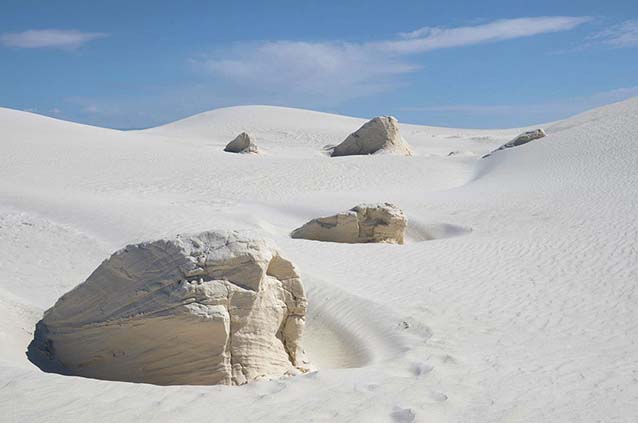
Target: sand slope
520	307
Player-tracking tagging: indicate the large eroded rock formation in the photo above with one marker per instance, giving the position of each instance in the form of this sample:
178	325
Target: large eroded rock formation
212	308
361	224
379	135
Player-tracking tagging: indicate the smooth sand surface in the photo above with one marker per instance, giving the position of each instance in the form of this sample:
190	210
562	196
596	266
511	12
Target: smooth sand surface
513	299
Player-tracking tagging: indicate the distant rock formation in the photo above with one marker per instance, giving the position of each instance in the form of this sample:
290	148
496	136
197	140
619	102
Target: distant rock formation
361	224
523	138
212	308
379	135
243	143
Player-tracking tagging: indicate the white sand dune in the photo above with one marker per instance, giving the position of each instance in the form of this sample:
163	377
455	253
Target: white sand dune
514	298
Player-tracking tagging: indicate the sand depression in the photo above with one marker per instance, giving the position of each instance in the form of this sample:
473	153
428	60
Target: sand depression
217	307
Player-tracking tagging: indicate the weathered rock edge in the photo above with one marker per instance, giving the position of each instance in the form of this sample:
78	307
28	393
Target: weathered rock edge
521	139
365	223
378	135
211	308
243	143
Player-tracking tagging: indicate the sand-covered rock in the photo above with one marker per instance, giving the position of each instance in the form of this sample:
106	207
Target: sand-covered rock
243	143
212	308
521	139
379	135
361	224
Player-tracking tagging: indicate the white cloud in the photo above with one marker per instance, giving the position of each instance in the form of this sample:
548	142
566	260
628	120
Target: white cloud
319	69
622	35
91	108
344	70
432	38
49	38
538	112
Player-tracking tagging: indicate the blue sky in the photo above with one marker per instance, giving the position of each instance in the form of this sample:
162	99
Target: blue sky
134	64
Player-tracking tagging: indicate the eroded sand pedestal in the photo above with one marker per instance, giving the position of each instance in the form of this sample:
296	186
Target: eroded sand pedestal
211	308
365	223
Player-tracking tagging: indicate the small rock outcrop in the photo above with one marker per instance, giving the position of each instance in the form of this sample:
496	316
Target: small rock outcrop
361	224
243	143
379	135
523	138
212	308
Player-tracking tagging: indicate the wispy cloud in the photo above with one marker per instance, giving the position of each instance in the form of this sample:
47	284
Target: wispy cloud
344	70
532	112
320	69
622	35
49	38
432	38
